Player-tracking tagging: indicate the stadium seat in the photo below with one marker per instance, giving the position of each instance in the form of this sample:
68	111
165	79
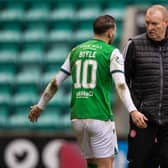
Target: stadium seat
143	2
61	32
35	33
47	76
7	73
38	11
25	98
5	102
59	100
4	113
31	54
66	121
88	11
19	119
49	119
118	12
84	32
28	75
67	86
13	11
57	53
115	10
8	54
11	32
118	36
5	94
63	11
6	78
50	72
27	78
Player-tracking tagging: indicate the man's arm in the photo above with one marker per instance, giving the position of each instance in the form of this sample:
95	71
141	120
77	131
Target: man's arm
50	91
117	71
138	118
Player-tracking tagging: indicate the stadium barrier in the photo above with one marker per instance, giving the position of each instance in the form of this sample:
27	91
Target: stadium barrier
47	152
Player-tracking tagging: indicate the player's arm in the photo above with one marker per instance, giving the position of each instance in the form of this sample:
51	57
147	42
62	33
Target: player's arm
50	91
117	71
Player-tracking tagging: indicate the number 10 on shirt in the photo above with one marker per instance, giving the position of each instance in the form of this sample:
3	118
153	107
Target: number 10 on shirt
85	71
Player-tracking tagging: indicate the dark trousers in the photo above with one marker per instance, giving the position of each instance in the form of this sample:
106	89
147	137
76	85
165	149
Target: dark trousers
148	148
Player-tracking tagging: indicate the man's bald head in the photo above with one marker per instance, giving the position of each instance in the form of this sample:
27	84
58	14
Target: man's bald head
156	19
158	8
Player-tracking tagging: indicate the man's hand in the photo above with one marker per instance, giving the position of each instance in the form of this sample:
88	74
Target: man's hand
34	113
139	119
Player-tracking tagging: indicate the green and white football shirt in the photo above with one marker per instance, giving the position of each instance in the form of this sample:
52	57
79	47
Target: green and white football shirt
91	64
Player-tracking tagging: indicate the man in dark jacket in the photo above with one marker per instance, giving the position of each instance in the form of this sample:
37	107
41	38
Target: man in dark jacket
146	71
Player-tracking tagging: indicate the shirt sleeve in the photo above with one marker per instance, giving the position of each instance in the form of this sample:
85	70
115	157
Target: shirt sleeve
116	62
66	67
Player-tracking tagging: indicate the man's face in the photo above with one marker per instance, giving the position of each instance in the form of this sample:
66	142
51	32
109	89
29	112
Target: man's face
156	25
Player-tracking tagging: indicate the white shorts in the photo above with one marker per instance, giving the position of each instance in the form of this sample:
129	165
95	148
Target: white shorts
96	138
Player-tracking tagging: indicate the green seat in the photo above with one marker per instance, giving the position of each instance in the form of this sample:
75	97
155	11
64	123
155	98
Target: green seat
27	78
4	114
38	11
29	75
66	121
143	2
7	73
19	119
63	11
50	71
51	68
35	33
11	32
6	78
88	11
115	10
5	94
84	32
118	12
66	88
58	100
47	76
27	89
13	11
49	119
31	54
8	54
68	81
61	31
32	68
25	99
119	34
57	54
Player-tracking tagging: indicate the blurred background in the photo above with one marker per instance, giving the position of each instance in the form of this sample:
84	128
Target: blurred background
35	38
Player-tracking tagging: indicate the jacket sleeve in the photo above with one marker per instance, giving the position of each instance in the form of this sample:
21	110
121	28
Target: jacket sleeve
129	62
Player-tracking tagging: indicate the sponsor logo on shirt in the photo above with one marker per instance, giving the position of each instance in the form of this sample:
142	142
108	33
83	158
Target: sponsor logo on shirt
84	94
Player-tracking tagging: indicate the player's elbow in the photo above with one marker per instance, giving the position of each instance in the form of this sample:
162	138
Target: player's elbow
53	84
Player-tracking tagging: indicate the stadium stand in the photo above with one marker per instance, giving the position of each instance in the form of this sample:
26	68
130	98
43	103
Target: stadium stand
35	37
